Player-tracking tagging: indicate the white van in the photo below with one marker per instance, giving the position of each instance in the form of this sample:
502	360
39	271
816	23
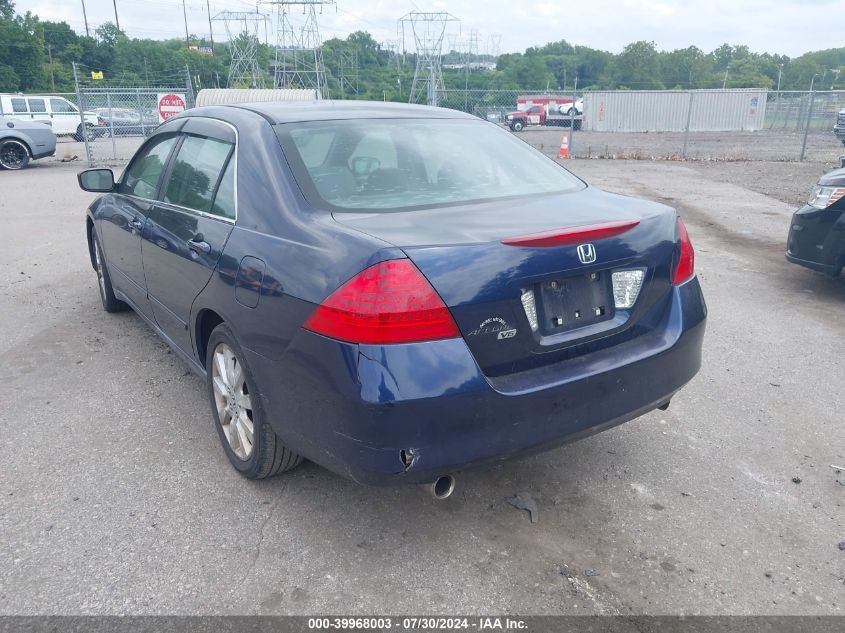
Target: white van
58	112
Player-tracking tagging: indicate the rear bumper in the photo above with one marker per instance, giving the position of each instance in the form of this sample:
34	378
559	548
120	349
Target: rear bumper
44	153
355	409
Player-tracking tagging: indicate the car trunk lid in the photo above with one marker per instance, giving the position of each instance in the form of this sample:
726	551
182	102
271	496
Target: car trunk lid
496	263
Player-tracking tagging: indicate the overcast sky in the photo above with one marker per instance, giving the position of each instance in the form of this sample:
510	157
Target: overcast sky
791	27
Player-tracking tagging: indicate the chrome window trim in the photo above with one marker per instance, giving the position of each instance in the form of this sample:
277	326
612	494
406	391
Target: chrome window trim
176	207
203	214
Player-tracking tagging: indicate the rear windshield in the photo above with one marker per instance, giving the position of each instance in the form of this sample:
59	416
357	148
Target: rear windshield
399	164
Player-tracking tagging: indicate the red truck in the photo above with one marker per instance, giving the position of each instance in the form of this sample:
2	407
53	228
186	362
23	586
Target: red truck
549	111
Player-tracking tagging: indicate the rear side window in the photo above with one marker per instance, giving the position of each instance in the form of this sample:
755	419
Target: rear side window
37	106
224	200
141	179
18	105
196	173
60	105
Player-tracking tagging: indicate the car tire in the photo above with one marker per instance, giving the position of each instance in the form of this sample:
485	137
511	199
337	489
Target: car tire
14	154
517	126
110	302
572	112
79	136
235	408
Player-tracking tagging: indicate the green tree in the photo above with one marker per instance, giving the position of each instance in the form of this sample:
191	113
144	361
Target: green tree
637	67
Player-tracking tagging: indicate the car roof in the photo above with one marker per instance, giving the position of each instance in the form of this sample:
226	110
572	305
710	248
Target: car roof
325	110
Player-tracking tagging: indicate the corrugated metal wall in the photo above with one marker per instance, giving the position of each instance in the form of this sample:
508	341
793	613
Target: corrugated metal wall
672	111
223	96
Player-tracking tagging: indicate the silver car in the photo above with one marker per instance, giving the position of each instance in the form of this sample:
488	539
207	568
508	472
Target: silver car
22	141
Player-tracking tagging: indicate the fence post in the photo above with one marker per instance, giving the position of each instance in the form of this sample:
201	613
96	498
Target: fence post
189	86
572	118
807	127
82	115
111	127
140	110
686	130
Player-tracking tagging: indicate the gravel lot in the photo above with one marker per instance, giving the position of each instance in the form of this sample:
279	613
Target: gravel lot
117	498
764	145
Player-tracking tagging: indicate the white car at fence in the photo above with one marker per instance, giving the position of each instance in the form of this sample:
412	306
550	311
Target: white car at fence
57	112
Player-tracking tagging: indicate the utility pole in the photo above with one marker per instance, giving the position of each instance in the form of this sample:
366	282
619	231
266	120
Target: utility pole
185	15
85	17
116	19
210	28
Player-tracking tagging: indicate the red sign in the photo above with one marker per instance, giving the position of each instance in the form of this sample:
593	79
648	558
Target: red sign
170	105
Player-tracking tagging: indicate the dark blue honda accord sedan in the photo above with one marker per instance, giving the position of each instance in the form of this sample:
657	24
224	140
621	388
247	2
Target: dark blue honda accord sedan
395	292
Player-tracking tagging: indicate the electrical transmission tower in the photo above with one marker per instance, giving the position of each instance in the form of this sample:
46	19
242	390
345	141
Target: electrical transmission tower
494	45
299	54
394	58
428	30
242	28
347	73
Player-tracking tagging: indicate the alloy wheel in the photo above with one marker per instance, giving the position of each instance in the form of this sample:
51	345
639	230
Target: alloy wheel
13	155
232	401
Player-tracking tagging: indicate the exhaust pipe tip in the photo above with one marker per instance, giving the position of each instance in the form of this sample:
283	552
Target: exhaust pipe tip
442	487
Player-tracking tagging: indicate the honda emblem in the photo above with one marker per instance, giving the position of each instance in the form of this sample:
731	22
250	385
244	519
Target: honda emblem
587	253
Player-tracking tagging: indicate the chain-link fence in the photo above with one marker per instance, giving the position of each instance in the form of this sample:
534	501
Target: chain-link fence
664	125
696	125
114	119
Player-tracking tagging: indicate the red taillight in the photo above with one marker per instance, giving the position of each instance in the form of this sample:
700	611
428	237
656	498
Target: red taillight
389	302
574	235
685	268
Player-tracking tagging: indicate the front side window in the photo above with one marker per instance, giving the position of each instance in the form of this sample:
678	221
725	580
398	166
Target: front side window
60	105
196	173
18	105
398	164
37	106
142	176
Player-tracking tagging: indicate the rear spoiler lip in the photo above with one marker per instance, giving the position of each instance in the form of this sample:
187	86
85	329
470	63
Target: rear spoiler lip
572	235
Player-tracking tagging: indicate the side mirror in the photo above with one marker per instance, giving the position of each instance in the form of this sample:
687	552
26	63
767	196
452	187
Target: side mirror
96	180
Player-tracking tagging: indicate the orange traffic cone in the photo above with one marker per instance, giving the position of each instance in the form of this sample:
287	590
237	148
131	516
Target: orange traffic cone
564	146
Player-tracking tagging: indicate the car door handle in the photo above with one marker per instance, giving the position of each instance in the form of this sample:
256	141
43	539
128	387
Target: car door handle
136	224
199	245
